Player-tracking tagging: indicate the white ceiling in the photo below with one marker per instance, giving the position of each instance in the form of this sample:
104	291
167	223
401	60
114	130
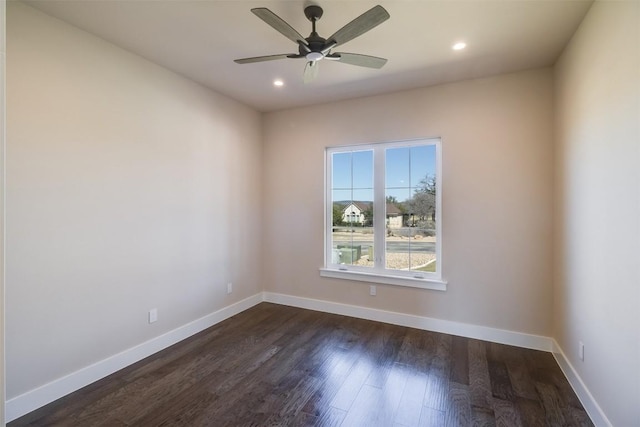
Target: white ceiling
200	39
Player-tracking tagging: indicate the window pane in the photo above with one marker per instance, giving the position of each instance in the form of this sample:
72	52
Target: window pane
397	172
410	189
363	169
352	204
396	244
341	173
423	163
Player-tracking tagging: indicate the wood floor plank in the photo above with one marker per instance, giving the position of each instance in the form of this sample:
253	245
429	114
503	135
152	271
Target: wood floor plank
430	417
521	380
543	367
531	412
551	404
245	405
292	398
332	417
500	381
483	417
386	356
182	412
374	406
437	391
479	381
459	360
579	417
340	362
459	412
349	390
284	366
506	413
416	350
411	401
365	408
392	392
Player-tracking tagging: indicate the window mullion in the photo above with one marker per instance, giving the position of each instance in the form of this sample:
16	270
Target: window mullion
438	207
379	208
328	203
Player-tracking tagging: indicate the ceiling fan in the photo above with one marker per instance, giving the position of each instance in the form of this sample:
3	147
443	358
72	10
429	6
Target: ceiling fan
315	48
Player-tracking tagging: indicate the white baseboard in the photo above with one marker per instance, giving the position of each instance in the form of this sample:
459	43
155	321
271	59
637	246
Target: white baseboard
590	405
34	399
501	336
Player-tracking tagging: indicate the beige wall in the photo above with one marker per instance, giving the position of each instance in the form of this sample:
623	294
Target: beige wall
597	279
497	194
128	188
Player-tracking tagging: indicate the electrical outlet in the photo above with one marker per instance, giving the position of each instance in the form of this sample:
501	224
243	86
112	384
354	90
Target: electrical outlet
153	315
372	290
229	288
581	350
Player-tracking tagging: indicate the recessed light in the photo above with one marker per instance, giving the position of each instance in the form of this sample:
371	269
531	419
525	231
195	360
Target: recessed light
459	46
278	83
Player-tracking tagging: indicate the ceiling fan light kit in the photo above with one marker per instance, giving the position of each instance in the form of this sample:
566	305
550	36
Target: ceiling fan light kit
316	48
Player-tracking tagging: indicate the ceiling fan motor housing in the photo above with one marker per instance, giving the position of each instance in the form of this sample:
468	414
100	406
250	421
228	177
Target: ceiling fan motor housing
313	12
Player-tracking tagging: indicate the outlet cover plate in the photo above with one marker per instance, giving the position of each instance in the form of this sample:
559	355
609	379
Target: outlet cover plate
153	315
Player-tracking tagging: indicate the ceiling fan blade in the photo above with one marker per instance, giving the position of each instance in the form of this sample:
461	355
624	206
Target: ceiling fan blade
266	58
278	24
310	71
363	23
359	60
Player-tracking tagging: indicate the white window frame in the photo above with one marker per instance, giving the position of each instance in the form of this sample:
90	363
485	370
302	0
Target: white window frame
378	273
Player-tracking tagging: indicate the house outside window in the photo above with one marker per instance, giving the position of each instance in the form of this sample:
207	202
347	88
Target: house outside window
383	213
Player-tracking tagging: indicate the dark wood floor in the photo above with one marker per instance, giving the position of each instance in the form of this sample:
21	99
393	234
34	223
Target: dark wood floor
281	366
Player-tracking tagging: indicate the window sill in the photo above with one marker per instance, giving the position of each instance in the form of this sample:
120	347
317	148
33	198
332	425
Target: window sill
426	283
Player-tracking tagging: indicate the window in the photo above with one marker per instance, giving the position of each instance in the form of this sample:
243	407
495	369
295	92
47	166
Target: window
383	213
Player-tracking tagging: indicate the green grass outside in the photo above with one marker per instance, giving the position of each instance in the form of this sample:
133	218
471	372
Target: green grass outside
429	267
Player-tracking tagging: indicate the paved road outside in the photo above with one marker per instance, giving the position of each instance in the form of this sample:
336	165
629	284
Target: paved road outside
394	244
